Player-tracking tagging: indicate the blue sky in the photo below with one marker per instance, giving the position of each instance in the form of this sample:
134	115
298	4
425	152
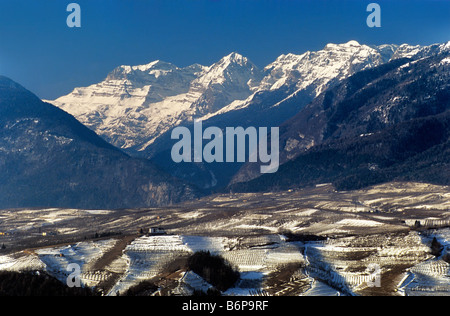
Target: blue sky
38	50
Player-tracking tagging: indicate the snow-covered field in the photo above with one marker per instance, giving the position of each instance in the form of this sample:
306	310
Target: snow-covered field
343	264
377	231
431	277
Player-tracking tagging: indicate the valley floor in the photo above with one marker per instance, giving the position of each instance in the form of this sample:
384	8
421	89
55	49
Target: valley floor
313	241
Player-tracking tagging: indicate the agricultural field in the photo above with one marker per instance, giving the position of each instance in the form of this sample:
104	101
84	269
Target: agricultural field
314	241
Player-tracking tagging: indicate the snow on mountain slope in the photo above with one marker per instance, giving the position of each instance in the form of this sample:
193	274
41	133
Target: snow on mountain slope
135	104
318	68
314	72
397	112
48	158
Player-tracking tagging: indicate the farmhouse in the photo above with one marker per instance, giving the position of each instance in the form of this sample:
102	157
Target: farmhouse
156	231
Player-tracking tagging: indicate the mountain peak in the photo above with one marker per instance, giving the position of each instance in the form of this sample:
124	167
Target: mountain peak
349	44
157	64
154	65
232	65
233	58
447	45
352	43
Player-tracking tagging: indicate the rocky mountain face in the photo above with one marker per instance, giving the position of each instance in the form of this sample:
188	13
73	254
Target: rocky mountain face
136	104
289	84
291	78
362	58
135	108
49	159
383	124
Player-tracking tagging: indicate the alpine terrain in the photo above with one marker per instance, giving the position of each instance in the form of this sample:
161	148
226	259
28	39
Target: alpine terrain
383	124
359	205
136	107
49	159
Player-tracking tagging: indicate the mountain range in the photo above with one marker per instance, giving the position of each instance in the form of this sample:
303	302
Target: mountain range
350	114
389	123
136	104
136	107
49	159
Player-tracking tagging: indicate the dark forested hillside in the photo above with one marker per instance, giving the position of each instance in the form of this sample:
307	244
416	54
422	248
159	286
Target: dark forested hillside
414	151
49	159
37	284
388	123
366	103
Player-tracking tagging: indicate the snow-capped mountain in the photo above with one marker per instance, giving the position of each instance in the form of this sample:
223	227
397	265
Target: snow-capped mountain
136	104
136	107
314	72
334	62
49	159
390	123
